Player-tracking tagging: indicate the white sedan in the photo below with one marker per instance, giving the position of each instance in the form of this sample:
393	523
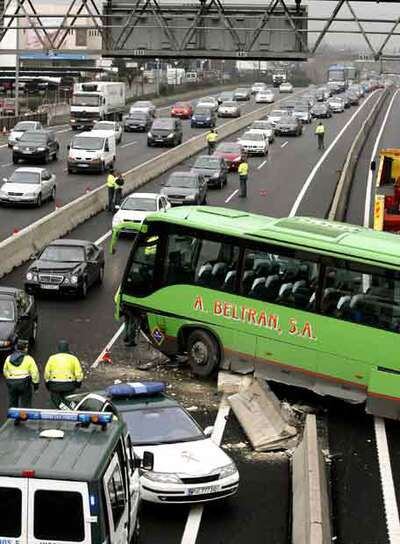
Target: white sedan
265	97
110	126
265	127
20	128
137	206
275	116
254	143
208	102
286	87
28	186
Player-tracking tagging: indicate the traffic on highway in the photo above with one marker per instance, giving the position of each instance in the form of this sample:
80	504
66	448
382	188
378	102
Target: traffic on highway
120	331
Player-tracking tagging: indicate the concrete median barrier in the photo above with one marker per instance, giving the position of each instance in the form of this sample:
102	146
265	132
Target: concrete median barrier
20	247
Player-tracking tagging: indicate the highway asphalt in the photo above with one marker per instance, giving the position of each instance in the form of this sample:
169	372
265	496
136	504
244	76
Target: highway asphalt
262	506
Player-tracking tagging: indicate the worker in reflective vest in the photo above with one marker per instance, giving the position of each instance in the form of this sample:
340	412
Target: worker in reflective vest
212	137
21	374
111	186
320	133
243	172
63	374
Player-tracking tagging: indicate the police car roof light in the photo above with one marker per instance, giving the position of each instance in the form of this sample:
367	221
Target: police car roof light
97	418
135	389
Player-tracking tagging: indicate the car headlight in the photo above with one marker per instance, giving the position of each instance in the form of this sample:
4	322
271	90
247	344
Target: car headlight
226	471
5	343
41	149
16	147
66	281
74	280
190	197
30	195
162	477
170	135
31	276
149	134
216	175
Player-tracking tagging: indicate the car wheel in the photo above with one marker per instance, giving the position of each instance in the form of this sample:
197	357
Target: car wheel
70	171
204	200
39	200
221	183
33	337
84	289
203	353
53	194
14	160
46	157
100	277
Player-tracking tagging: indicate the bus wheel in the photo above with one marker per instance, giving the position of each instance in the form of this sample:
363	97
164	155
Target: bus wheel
203	353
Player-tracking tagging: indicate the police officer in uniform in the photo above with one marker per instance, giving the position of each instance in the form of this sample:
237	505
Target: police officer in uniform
21	374
320	133
63	374
111	186
243	172
212	137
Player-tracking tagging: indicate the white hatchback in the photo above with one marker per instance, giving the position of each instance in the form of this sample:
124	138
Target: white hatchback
112	126
137	206
286	87
265	97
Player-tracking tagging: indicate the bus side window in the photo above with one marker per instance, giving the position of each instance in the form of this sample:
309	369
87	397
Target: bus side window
217	265
140	278
180	259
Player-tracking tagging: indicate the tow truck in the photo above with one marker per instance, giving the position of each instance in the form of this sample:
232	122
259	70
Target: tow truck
387	191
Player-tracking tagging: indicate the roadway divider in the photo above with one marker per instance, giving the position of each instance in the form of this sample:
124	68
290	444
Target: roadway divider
340	199
21	246
310	498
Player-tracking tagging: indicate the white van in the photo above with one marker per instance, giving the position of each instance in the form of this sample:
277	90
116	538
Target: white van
92	151
67	477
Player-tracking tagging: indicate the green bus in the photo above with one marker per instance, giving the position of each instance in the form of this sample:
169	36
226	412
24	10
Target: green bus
297	300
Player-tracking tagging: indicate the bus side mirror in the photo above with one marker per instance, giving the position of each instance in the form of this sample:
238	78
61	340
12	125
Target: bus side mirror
373	166
148	460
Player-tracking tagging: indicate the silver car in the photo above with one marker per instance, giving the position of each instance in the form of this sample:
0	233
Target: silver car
28	186
143	105
20	128
229	109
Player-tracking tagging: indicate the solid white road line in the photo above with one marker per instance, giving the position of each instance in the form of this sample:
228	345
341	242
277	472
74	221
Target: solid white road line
284	144
196	512
4	145
262	164
311	176
367	209
104	237
130	143
108	346
231	196
388	490
7	164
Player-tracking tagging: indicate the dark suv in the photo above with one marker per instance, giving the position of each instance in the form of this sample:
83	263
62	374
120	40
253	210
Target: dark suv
165	131
38	145
213	169
185	188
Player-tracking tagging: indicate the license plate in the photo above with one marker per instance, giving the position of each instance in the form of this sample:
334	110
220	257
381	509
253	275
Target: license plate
203	490
49	286
83	165
26	151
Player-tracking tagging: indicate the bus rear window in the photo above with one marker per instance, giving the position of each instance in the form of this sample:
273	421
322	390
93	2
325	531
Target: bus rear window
10	512
59	516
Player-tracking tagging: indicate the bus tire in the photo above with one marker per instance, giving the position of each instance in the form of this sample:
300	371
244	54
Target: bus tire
203	353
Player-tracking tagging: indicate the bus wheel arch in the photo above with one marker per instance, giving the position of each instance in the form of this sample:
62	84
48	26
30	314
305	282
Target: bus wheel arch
204	349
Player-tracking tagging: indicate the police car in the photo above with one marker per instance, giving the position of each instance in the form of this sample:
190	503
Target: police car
188	466
68	477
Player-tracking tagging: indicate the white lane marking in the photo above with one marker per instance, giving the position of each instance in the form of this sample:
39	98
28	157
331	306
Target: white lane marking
231	196
7	164
367	209
103	238
130	143
388	490
311	175
108	346
284	144
4	145
196	512
262	164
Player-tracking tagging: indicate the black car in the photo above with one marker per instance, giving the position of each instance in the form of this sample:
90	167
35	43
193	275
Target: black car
321	111
203	117
353	98
242	94
137	121
213	169
289	125
165	131
37	145
185	188
18	319
67	267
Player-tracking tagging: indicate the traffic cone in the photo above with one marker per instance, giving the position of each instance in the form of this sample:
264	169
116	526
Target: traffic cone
57	205
106	357
88	189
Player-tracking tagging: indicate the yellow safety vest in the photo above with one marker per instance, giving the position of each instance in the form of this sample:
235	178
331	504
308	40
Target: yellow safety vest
320	129
111	181
26	369
243	169
212	137
63	367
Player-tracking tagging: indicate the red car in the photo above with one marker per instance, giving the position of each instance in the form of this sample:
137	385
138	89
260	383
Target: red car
231	152
184	110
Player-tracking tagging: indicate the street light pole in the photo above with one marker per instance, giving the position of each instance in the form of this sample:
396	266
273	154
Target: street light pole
16	94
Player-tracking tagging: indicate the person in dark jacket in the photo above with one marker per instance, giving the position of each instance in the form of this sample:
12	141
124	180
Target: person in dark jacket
119	184
21	374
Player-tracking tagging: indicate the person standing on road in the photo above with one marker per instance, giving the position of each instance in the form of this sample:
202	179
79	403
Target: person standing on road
243	172
21	373
62	374
119	184
320	133
211	137
111	186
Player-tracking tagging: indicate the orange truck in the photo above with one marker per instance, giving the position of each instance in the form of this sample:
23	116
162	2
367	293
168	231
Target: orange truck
387	191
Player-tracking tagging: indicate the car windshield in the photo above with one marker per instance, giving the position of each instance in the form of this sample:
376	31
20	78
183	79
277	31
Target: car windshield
276	113
207	162
229	148
226	96
24	126
137	115
181	181
152	426
230	104
67	254
85	100
181	105
34	137
287	120
142	104
202	111
139	204
252	136
260	125
104	126
165	124
6	310
240	90
88	143
25	177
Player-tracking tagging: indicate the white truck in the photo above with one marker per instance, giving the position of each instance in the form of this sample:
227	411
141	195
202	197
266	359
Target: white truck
96	101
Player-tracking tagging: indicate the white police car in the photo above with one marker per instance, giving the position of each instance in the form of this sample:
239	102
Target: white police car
188	466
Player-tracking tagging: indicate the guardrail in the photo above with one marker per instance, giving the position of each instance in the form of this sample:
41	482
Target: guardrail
8	122
19	248
340	199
